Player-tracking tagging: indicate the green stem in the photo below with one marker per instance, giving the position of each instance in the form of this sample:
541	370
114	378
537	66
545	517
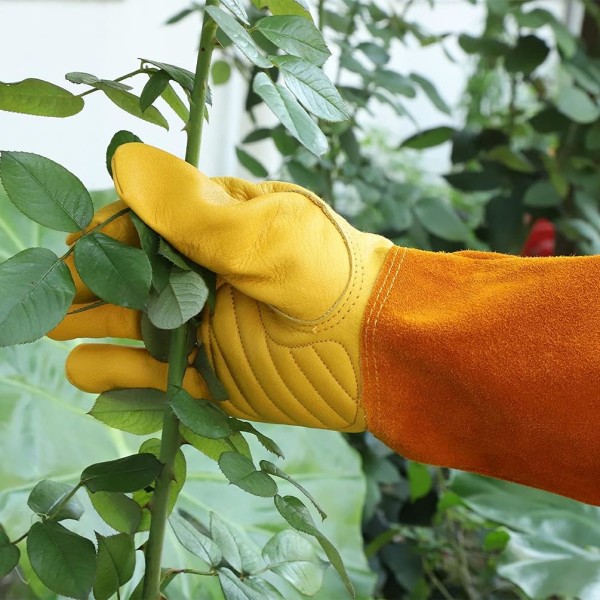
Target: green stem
200	89
171	440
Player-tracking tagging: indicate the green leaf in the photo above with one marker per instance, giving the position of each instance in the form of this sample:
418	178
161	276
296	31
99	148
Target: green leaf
250	163
236	548
312	88
182	14
266	442
115	272
180	75
239	36
9	554
429	138
376	53
241	471
584	76
475	181
565	41
484	45
45	191
286	7
529	53
41	292
37	97
47	495
131	104
236	7
174	256
538	17
236	589
120	138
271	469
297	515
419	480
201	416
182	298
79	77
213	448
117	510
194	541
138	411
541	194
511	158
116	564
64	561
220	71
575	104
439	218
432	93
291	114
127	474
154	87
496	540
176	103
216	389
296	36
394	82
89	79
290	555
149	239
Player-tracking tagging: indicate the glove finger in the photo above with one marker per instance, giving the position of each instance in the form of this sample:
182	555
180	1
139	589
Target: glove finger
97	368
281	248
104	321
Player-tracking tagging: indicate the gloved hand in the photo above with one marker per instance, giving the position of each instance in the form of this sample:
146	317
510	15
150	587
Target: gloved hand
294	282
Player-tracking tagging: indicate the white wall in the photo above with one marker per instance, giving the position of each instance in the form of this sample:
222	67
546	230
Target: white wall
46	39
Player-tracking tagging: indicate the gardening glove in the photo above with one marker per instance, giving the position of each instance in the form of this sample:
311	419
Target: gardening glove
294	282
478	361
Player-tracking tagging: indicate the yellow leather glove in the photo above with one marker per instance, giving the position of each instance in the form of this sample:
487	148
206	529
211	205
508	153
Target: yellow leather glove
294	282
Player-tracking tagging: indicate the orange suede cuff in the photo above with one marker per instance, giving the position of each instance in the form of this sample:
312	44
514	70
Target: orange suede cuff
488	363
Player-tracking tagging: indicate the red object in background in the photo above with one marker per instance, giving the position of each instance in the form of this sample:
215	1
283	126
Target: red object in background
541	240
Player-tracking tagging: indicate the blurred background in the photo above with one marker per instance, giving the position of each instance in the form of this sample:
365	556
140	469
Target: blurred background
475	124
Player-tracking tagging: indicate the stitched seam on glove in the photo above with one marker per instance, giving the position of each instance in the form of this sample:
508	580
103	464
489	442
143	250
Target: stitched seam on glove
349	394
321	396
310	415
371	328
350	296
253	415
282	379
354	258
352	397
